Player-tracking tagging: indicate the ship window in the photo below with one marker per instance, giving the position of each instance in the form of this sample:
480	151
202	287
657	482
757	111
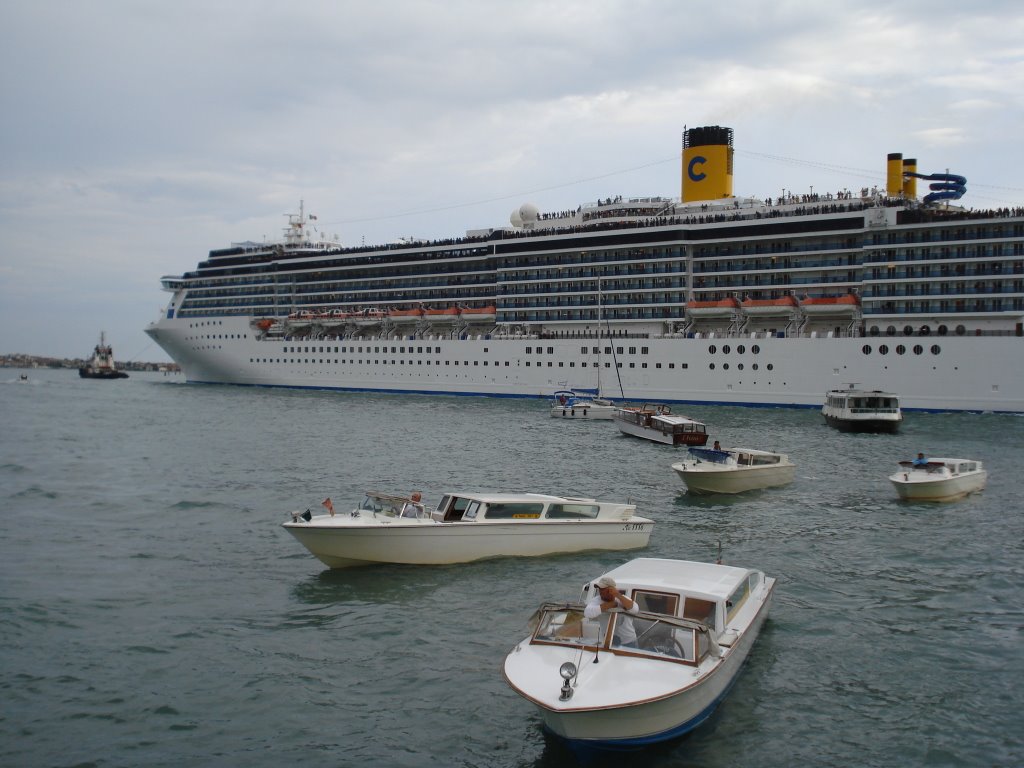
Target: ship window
755	349
711	366
513	511
632	350
740	366
754	366
684	365
644	351
671	365
866	349
918	349
618	350
712	349
571	511
529	350
725	349
725	366
908	330
607	350
935	349
770	367
884	349
901	350
632	365
656	365
583	364
960	330
583	350
740	349
551	350
549	363
890	330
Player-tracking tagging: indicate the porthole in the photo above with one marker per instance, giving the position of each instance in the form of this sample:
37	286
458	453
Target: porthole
770	366
901	350
754	366
740	349
739	366
874	330
890	331
925	330
908	330
884	349
936	349
725	349
711	366
918	349
866	349
712	349
960	330
755	350
943	330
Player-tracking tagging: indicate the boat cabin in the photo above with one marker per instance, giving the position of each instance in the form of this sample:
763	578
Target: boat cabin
469	508
679	621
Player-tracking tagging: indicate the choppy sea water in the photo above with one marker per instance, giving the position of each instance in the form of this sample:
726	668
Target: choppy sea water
154	613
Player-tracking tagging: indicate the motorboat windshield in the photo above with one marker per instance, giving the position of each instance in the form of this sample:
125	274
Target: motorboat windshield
657	636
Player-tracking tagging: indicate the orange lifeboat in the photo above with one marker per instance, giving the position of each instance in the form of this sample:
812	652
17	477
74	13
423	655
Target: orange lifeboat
480	314
723	308
782	306
830	305
405	315
264	324
441	314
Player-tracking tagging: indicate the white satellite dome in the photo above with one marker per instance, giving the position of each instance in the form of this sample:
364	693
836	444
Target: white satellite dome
515	219
529	212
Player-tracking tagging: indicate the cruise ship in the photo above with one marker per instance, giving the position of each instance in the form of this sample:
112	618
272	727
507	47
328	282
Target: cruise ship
706	298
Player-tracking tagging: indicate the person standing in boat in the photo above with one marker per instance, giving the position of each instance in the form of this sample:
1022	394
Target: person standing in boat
609	598
718	446
413	507
920	461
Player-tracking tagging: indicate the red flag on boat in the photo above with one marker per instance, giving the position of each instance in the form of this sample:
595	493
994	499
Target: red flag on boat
327	503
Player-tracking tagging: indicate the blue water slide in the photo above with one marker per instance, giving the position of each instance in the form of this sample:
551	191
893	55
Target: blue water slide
947	186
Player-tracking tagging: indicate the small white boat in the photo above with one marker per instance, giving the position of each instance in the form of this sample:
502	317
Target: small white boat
595	684
568	404
859	410
658	423
467	526
734	470
939	479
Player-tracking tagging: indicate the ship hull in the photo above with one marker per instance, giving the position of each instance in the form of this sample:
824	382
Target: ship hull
952	373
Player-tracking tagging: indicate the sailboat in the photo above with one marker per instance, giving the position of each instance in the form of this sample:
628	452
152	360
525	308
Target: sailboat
573	404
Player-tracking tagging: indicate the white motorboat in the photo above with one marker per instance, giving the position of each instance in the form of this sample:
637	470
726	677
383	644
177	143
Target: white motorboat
696	626
938	479
860	410
569	404
734	470
465	527
658	423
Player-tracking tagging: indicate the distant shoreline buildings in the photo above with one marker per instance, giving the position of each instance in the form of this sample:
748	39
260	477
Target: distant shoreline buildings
19	360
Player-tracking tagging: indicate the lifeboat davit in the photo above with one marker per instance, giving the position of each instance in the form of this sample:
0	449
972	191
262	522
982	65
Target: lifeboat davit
830	305
783	306
480	314
369	317
723	308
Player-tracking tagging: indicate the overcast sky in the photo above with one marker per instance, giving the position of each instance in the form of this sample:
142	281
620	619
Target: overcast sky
135	136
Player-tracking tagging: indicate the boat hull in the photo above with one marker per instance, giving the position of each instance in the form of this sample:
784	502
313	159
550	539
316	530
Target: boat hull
431	543
661	436
878	425
735	480
637	723
90	374
583	411
976	374
944	489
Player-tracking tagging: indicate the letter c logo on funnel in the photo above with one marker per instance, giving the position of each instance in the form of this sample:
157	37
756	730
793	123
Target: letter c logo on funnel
698	160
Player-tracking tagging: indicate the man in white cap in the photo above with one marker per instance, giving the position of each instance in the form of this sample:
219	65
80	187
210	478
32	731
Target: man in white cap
609	598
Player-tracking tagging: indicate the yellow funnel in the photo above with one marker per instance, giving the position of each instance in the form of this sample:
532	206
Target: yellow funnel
707	163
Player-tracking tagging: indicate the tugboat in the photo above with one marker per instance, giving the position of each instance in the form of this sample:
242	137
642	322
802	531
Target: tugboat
101	364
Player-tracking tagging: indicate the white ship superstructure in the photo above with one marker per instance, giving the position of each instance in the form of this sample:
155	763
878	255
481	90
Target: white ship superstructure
707	299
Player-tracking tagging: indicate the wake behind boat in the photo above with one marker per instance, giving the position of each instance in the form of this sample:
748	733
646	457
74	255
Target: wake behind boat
465	527
938	479
734	470
607	677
